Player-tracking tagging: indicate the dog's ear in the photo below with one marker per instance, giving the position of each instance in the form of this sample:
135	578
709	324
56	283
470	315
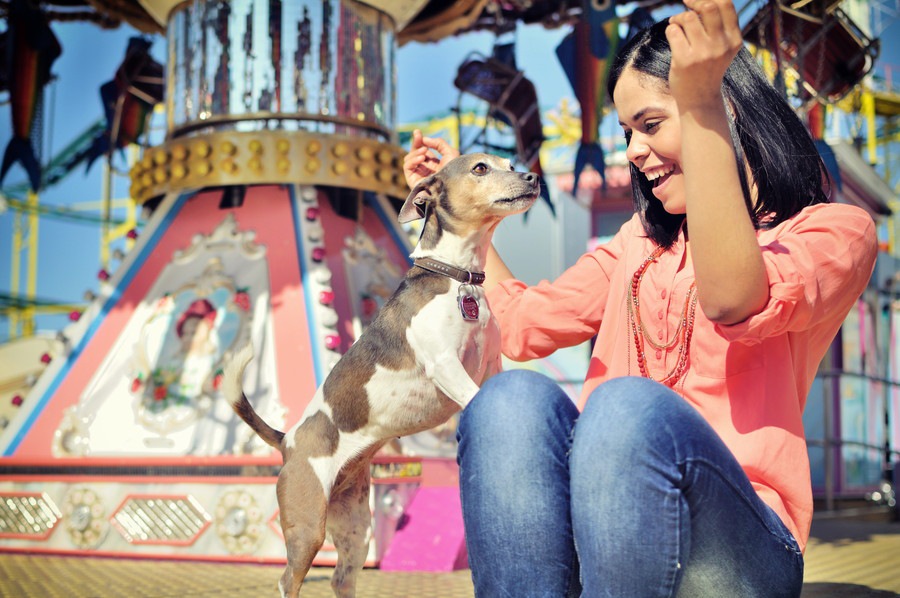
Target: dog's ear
414	206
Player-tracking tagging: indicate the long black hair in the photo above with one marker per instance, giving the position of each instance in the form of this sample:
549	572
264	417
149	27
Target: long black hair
766	133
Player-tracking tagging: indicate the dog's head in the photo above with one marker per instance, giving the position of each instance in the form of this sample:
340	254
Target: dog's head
471	190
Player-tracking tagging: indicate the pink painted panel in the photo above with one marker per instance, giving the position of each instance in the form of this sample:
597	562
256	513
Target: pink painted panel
266	210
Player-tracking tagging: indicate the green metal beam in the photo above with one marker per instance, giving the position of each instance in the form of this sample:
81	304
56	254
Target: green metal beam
17	302
59	212
63	163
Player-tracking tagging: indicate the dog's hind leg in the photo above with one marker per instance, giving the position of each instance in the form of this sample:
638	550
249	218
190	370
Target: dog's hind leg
350	523
303	504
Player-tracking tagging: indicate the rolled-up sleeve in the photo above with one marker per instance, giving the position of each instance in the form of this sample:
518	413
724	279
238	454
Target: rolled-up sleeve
537	320
817	265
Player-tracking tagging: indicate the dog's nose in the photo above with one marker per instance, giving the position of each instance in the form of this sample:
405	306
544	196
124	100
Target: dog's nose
532	178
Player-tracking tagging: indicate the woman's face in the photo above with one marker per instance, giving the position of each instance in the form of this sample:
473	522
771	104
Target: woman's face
649	116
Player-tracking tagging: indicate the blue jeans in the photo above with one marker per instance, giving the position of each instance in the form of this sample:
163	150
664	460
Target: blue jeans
636	496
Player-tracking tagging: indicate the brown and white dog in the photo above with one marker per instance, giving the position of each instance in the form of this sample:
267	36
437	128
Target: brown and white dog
421	360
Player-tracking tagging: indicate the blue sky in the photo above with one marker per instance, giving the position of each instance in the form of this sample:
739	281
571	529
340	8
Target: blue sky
68	256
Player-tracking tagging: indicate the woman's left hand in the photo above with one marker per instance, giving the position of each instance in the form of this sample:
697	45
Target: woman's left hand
704	41
426	156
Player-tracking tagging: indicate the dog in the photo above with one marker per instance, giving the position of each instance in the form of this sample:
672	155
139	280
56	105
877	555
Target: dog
421	360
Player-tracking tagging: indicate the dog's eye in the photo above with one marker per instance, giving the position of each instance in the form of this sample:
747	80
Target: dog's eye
480	169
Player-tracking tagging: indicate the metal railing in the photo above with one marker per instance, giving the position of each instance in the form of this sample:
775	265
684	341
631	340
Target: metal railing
886	494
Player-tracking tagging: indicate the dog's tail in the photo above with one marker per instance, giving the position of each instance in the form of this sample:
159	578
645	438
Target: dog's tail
233	390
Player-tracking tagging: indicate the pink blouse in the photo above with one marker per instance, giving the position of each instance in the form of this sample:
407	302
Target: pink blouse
748	380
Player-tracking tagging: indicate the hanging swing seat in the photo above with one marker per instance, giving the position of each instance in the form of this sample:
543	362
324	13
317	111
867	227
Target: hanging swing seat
828	51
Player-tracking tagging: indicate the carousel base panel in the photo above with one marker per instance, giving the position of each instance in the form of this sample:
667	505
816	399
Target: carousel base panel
230	519
432	537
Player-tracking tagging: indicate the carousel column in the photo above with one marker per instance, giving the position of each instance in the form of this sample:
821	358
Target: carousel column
284	111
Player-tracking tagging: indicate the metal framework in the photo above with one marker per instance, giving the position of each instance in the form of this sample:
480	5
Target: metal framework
21	305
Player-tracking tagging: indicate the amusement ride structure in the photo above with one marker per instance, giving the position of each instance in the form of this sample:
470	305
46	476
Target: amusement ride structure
270	217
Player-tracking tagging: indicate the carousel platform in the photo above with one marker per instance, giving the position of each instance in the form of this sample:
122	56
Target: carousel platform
845	558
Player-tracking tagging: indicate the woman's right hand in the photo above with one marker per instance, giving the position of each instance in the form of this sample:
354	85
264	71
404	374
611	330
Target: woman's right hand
426	156
704	41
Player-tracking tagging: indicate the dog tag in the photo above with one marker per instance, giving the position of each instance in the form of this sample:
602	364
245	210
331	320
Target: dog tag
468	305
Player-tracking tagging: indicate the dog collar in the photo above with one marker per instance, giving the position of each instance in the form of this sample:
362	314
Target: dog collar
458	274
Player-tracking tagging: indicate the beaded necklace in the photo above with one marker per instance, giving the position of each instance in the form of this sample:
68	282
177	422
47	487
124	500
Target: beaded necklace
682	336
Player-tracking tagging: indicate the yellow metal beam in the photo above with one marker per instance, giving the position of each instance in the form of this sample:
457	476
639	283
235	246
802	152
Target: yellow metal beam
105	199
31	288
57	308
24	238
887	103
93	206
15	268
120	231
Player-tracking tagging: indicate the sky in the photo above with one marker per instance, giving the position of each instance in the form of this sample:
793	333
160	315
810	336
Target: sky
69	253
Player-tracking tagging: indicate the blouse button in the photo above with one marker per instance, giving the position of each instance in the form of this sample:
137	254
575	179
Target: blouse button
660	315
663	294
659	335
658	354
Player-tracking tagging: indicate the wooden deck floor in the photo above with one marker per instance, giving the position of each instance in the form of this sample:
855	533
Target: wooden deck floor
847	559
852	558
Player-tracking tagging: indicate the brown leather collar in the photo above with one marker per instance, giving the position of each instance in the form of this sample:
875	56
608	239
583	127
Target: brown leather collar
458	274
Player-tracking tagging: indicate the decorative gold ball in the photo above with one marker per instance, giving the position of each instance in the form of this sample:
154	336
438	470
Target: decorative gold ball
228	148
255	146
179	152
340	149
283	146
312	165
160	156
313	147
202	148
364	152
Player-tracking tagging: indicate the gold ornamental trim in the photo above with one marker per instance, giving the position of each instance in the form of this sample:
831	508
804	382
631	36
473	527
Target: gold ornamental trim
85	517
268	157
28	515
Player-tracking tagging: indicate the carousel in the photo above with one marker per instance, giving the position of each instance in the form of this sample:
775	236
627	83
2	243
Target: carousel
272	207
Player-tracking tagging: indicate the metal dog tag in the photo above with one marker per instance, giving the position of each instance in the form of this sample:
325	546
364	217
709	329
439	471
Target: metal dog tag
468	304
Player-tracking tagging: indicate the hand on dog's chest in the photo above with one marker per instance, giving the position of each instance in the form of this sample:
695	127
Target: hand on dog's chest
468	303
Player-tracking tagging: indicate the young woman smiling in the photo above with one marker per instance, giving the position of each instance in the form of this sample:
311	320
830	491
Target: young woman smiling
683	469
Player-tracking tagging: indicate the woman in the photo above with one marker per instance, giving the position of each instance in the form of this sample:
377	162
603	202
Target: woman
683	470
